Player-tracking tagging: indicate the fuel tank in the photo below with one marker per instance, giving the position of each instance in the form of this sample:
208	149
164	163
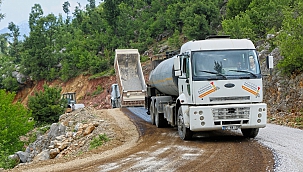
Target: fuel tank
163	77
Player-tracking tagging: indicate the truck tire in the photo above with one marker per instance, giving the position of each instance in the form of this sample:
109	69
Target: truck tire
250	132
112	103
152	113
160	121
184	133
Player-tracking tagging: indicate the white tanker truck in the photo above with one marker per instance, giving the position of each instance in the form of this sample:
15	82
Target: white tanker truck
212	84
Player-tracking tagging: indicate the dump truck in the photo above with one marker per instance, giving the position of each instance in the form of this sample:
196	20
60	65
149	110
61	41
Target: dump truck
211	84
129	77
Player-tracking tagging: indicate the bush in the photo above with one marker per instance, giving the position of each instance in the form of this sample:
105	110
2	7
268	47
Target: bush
239	27
15	121
5	162
47	105
290	41
98	141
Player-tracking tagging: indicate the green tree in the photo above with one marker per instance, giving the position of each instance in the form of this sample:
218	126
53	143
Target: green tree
239	27
47	105
41	55
4	43
267	15
15	45
66	6
111	12
200	19
175	41
92	4
235	7
290	40
7	67
15	121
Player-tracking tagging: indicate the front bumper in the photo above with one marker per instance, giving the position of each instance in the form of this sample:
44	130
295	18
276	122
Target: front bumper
217	117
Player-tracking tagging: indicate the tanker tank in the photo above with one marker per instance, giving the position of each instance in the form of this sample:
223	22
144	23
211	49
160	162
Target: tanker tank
163	77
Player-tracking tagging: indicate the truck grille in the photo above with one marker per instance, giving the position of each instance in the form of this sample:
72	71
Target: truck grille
231	113
222	99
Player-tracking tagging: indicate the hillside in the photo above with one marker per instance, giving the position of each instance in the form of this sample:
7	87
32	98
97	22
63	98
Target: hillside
90	92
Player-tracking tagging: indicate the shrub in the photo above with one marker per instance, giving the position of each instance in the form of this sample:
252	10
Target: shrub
98	141
290	41
47	105
239	27
15	121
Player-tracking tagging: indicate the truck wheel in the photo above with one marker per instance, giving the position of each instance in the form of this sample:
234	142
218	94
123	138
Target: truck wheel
159	119
152	113
184	133
250	132
113	104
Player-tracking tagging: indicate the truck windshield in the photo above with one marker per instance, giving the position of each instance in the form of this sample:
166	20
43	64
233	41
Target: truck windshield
231	64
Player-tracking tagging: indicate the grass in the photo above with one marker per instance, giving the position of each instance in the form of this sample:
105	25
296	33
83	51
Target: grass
98	141
109	72
98	90
144	58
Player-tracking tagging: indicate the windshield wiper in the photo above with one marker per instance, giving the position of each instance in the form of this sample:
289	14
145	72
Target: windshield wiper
216	73
244	71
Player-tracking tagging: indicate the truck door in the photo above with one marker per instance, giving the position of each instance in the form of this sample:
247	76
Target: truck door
185	79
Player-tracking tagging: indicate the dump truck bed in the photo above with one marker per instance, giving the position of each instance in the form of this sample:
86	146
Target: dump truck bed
130	77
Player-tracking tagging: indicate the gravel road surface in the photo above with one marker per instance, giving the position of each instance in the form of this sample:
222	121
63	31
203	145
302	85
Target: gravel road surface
285	143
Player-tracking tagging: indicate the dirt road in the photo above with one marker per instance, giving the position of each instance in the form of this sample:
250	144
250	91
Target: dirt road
155	149
163	150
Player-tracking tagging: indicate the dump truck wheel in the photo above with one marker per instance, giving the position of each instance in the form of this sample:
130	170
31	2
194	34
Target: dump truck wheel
159	119
250	132
152	113
184	133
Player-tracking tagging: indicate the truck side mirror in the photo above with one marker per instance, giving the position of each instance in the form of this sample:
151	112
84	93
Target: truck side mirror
270	62
177	63
177	66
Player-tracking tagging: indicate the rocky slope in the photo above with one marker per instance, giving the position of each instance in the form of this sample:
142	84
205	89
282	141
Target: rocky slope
283	94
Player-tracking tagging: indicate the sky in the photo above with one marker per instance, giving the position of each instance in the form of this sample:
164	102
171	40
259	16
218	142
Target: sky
18	11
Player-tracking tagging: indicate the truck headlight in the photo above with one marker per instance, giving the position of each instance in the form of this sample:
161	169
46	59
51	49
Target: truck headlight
259	115
201	118
200	112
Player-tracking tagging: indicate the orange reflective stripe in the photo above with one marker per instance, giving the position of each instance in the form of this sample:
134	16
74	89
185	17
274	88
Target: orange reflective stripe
249	90
206	93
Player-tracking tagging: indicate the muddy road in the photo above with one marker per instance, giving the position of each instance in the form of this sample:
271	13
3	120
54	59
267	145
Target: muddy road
163	150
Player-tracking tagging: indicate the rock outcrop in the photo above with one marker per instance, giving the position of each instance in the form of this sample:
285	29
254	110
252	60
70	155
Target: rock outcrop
283	94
